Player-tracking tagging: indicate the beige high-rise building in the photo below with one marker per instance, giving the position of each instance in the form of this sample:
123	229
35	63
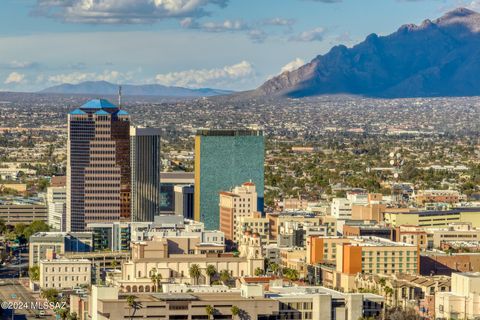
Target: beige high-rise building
98	165
240	202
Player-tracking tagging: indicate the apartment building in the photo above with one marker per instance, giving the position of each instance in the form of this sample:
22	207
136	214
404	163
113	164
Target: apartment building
240	202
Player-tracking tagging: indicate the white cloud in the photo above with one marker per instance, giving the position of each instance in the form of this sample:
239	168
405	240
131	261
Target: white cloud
292	65
76	77
279	22
207	77
122	11
316	34
14	77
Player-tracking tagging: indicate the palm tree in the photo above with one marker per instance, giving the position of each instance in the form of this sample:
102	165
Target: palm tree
224	276
274	267
156	278
291	274
62	313
72	316
211	272
131	305
195	272
209	310
235	311
34	273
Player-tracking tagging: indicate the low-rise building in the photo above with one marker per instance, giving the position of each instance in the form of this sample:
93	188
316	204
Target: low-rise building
463	301
65	273
156	256
404	290
13	213
59	243
423	197
104	303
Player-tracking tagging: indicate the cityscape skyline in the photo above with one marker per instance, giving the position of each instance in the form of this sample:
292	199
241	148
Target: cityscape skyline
273	38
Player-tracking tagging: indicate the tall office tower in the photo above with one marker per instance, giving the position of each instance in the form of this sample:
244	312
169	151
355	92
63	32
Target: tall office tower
184	201
57	208
98	165
146	165
225	159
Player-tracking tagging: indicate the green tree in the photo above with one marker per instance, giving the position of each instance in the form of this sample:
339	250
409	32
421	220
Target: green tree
156	278
211	272
34	273
195	272
235	311
209	310
291	274
224	276
50	294
132	305
72	316
3	226
258	271
274	267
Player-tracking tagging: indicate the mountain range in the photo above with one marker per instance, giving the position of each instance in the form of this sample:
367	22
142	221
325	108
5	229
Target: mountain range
106	88
436	58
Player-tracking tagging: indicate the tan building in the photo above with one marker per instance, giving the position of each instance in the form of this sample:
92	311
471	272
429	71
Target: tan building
406	291
413	235
283	223
323	249
13	214
423	197
65	273
108	303
463	302
455	232
254	225
154	256
238	203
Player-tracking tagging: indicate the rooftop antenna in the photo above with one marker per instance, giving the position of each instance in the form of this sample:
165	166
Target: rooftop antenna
119	96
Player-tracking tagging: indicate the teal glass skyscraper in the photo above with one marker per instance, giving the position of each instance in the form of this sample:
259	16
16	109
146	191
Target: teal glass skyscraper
225	159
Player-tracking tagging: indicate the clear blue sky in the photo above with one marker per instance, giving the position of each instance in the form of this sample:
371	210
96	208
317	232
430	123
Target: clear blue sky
230	44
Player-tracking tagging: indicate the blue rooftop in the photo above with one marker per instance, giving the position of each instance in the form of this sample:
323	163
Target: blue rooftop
102	112
98	104
122	113
77	111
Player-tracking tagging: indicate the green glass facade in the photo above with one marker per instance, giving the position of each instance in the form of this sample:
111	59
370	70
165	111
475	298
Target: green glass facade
225	159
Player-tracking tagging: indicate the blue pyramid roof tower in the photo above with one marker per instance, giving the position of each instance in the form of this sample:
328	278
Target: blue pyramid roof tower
98	104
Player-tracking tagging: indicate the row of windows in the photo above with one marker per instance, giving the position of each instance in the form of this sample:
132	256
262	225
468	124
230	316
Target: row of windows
59	269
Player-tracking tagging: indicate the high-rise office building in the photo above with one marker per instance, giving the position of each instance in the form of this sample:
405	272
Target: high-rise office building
225	159
184	201
98	165
146	165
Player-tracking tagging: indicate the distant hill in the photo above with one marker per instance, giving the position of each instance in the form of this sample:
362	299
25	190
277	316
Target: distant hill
107	88
436	58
